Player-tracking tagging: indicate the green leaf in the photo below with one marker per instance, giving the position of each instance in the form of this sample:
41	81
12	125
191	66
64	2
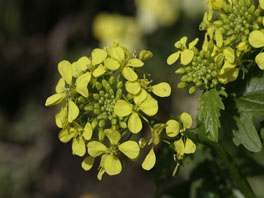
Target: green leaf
209	107
247	134
251	102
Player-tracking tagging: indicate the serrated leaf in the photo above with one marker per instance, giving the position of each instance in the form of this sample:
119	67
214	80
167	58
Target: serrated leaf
209	107
247	134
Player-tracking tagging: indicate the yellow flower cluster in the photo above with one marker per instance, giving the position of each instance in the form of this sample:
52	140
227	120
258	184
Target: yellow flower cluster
104	101
232	28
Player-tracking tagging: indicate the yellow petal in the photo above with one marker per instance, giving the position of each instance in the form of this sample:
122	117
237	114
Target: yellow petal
181	43
144	54
229	54
65	70
55	99
150	160
82	83
190	147
134	62
78	146
228	75
84	63
172	128
98	56
261	4
260	60
186	56
162	89
130	149
173	58
218	38
113	136
112	165
193	43
87	131
117	53
149	106
100	174
256	39
155	137
186	120
60	87
61	117
87	163
65	135
76	71
134	123
179	146
133	87
140	97
111	64
73	111
243	46
122	108
129	74
99	71
96	148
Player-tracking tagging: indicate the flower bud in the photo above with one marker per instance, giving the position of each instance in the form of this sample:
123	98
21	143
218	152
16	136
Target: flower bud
129	96
119	93
119	85
98	86
142	143
97	111
94	123
111	92
251	9
102	93
180	71
214	81
123	125
96	96
88	108
112	80
182	85
114	121
101	123
101	134
192	90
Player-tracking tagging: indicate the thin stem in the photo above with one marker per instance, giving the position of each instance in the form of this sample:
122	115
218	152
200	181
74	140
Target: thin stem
228	161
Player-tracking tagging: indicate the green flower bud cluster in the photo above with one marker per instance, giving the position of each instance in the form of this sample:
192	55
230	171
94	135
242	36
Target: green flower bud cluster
232	29
232	23
103	102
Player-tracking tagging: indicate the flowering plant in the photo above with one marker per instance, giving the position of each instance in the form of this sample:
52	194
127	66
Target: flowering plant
107	102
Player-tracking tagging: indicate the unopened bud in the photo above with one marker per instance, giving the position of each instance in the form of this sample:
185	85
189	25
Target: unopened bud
180	71
94	123
182	85
98	86
192	90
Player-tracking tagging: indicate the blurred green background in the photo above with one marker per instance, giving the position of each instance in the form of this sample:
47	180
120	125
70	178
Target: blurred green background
34	37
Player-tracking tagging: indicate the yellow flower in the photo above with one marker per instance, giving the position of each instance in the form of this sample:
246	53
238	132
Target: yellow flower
109	160
256	40
184	145
162	89
143	102
79	135
150	159
108	27
186	54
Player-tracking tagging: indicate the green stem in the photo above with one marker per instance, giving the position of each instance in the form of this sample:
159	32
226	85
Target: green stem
228	161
